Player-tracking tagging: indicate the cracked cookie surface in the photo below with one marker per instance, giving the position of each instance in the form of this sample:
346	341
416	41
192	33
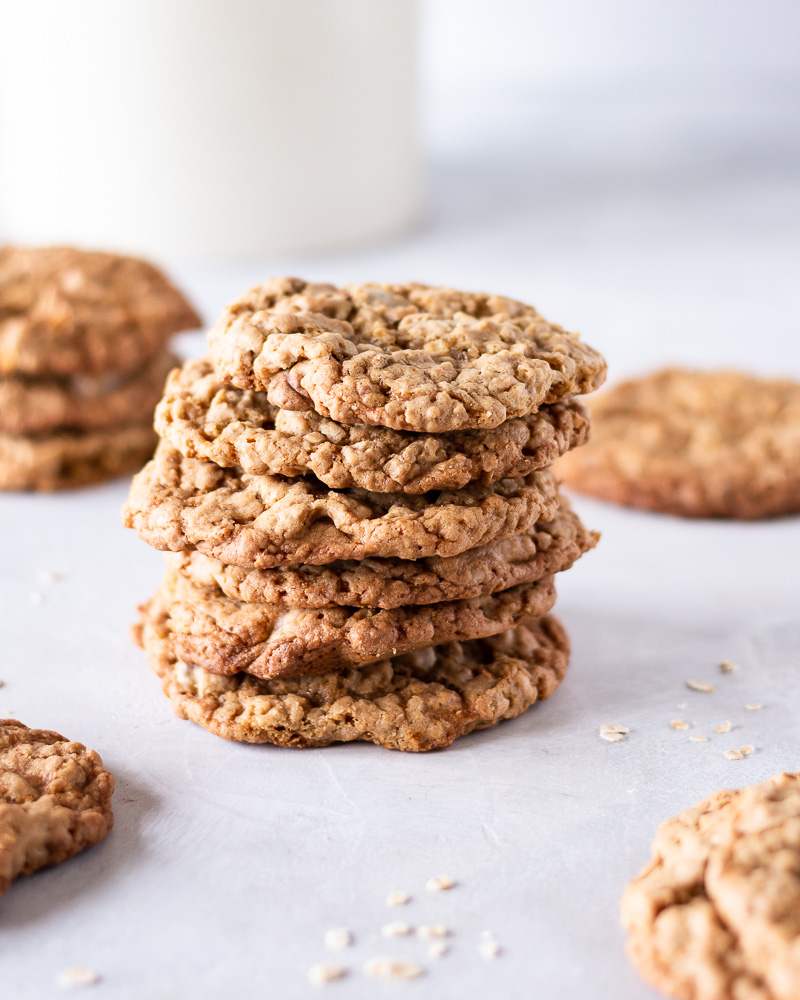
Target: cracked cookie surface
55	799
225	636
411	357
421	701
714	916
64	311
695	444
179	504
207	419
548	547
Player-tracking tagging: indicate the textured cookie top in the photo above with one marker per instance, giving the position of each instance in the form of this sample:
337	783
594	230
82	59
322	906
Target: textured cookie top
207	419
411	357
548	547
700	444
64	311
226	636
179	503
421	701
55	799
714	915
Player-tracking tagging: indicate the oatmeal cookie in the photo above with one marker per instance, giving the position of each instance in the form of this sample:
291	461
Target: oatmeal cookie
179	504
421	701
207	419
65	311
695	444
411	357
55	800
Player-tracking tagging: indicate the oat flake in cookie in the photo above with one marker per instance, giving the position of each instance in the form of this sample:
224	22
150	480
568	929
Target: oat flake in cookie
410	357
716	913
695	444
55	799
422	701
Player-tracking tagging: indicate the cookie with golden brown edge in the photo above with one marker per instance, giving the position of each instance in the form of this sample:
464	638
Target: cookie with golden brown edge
30	405
181	504
410	357
714	916
546	548
207	419
272	640
421	701
68	459
65	311
55	799
695	444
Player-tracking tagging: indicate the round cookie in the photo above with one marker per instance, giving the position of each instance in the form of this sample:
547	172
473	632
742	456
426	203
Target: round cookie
421	701
179	504
410	357
68	459
65	311
546	548
82	402
225	636
55	800
691	912
207	419
695	444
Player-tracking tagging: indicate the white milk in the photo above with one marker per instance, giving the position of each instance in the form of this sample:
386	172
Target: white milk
207	128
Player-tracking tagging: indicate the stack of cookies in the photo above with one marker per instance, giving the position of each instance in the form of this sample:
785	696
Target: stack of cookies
355	487
83	358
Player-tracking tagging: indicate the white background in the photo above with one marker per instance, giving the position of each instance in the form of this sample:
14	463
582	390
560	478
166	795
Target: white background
632	169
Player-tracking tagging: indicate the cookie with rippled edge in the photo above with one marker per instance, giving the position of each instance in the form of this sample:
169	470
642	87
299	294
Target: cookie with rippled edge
548	547
412	357
716	913
206	419
180	504
65	311
55	799
271	640
69	459
31	405
694	444
421	701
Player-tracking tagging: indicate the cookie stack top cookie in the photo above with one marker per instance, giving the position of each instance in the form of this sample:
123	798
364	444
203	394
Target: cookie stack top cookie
353	478
83	358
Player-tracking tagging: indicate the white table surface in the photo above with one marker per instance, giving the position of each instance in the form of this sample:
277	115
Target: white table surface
229	862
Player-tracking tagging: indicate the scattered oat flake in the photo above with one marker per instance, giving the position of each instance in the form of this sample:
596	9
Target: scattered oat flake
338	938
325	972
726	666
613	727
753	706
392	968
733	755
698	738
76	975
723	727
433	931
397	928
398	898
702	686
679	724
439	883
489	949
612	737
747	749
438	949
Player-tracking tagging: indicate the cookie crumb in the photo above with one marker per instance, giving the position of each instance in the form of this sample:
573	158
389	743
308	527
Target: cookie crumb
438	949
338	938
392	968
748	748
723	727
397	928
439	883
489	949
398	898
679	724
733	755
698	738
703	686
753	706
433	931
76	975
325	972
727	666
